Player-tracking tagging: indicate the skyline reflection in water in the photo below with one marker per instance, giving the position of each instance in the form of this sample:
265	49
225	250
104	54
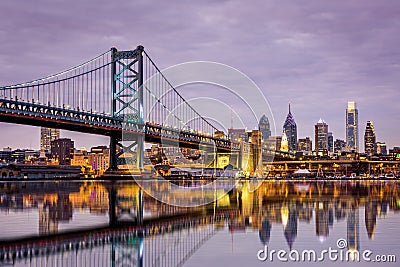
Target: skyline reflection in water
281	215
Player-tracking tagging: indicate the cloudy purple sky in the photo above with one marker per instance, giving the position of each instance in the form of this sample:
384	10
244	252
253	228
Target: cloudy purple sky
316	54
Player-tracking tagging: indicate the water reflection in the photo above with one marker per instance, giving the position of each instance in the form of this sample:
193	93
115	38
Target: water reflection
279	214
167	243
288	204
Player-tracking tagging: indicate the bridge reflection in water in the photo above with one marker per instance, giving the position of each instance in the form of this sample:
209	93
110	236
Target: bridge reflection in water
145	232
168	243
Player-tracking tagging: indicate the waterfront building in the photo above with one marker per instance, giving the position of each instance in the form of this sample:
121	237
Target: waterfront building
264	127
290	129
80	158
97	161
321	136
5	155
304	144
29	171
22	155
339	146
47	135
381	148
100	159
370	139
330	141
352	126
61	150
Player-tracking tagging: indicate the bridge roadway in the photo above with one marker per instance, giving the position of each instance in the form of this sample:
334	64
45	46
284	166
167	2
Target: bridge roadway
14	111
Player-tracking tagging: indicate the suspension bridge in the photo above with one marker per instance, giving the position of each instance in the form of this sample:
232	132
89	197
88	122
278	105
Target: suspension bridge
120	94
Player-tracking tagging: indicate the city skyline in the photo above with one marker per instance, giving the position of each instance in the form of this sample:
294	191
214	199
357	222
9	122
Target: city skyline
263	120
318	56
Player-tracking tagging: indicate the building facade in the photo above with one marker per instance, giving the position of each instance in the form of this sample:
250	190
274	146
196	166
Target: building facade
304	144
290	129
264	127
381	148
370	139
321	136
330	141
274	143
47	135
339	146
352	126
237	135
61	150
394	153
100	159
284	143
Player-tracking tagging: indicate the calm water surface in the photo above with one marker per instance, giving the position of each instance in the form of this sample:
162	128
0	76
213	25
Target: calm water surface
38	221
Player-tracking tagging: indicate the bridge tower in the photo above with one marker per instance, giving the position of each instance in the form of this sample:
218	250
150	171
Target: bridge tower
127	103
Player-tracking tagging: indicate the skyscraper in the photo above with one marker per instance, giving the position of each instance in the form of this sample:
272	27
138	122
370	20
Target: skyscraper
352	126
330	141
290	128
321	136
370	139
61	150
47	135
264	127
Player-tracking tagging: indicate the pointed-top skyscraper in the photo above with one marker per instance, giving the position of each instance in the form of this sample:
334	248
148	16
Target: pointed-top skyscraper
290	128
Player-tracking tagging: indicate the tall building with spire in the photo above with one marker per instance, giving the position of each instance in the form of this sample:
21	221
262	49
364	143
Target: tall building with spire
47	135
370	139
264	127
290	128
352	126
